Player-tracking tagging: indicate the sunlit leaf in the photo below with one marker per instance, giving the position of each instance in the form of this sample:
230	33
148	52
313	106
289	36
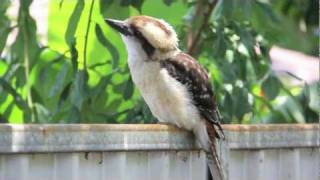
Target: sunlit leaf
73	22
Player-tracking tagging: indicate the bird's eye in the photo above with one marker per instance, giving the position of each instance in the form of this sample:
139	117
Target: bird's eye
137	34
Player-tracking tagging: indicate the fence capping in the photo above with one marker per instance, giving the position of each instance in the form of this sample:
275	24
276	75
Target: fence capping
31	138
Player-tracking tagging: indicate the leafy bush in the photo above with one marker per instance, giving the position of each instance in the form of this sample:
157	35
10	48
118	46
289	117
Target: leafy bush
81	76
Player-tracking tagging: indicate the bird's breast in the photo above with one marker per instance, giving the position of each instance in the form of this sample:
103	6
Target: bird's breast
168	100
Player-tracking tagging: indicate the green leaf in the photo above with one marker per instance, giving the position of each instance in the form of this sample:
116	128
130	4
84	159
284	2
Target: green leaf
240	101
79	91
73	22
147	115
43	114
134	3
104	5
100	88
128	91
26	41
314	97
137	4
240	66
46	71
61	3
36	96
4	33
260	68
246	38
17	98
60	79
20	75
12	71
168	2
295	110
96	65
8	111
219	44
125	2
271	87
64	95
113	106
74	56
74	115
267	10
228	72
228	8
106	43
227	108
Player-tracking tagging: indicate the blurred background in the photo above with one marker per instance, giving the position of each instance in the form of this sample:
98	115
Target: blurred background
60	62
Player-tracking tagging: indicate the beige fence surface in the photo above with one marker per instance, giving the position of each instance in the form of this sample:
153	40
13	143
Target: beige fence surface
138	152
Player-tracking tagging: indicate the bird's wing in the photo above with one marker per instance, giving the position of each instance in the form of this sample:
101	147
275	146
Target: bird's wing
187	71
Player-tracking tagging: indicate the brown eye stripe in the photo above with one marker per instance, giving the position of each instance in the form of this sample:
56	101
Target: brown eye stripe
146	45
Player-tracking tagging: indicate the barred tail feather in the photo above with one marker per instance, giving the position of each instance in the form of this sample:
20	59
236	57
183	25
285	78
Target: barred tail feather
215	165
212	155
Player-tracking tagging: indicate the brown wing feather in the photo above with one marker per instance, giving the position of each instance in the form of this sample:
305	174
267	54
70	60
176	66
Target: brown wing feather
187	71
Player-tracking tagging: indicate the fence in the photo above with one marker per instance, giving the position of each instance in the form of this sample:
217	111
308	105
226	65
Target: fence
80	152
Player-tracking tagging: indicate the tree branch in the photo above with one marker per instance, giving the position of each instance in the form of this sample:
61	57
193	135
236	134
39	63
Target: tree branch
195	40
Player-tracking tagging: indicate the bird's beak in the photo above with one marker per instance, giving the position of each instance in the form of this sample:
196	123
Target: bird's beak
120	26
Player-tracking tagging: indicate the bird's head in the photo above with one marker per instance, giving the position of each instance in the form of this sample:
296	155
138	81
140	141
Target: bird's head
144	34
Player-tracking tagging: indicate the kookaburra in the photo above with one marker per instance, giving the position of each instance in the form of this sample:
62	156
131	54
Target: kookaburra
173	84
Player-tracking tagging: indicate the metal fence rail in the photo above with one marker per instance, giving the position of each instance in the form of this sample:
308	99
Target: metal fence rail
80	152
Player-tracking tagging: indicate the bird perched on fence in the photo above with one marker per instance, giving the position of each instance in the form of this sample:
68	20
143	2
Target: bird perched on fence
175	87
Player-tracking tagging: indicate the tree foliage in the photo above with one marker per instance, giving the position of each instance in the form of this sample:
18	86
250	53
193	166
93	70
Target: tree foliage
81	76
